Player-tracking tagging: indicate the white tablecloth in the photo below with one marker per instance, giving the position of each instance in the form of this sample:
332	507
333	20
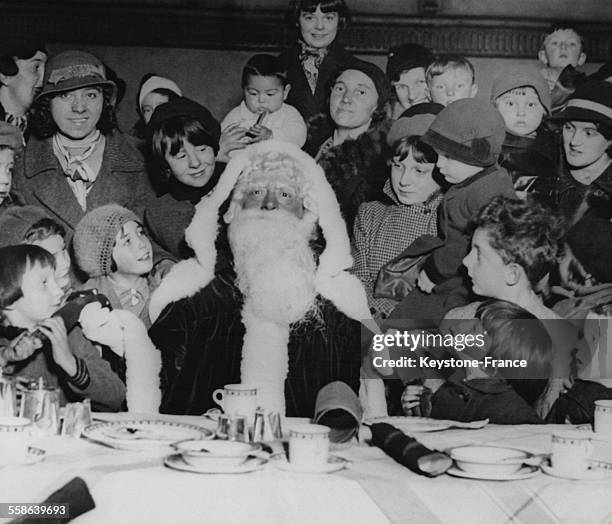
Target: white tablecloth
135	487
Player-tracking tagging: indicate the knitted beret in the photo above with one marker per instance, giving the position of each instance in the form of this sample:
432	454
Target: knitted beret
521	76
16	221
591	242
95	235
468	130
414	121
182	106
405	57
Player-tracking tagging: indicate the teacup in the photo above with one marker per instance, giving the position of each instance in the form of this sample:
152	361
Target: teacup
15	438
571	451
309	446
237	399
603	417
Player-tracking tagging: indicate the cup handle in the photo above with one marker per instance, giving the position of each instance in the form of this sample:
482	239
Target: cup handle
218	397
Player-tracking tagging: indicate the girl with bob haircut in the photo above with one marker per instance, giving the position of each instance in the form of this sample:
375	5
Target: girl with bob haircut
183	141
316	53
29	296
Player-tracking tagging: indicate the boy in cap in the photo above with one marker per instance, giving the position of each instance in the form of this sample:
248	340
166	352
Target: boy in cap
522	98
406	67
467	135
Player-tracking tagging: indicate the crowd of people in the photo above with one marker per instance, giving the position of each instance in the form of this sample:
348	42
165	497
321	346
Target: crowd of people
337	201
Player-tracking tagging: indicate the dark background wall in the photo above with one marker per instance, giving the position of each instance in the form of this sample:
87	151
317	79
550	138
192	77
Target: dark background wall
203	44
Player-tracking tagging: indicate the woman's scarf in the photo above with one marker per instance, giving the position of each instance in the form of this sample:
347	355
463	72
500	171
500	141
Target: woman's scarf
311	58
81	168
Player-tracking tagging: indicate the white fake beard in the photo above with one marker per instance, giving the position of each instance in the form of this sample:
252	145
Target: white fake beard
274	263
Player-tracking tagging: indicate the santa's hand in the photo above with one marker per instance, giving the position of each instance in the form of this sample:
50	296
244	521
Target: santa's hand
101	325
424	283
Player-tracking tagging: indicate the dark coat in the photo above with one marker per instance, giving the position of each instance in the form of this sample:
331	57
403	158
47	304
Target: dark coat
573	198
122	180
460	205
300	95
529	159
478	399
201	337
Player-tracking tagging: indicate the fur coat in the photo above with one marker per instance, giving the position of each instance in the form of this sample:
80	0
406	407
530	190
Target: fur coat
356	169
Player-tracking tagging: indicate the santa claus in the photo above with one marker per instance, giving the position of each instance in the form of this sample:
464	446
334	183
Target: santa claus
286	316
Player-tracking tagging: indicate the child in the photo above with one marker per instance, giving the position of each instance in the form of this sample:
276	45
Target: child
514	249
263	112
31	225
11	143
491	392
587	272
154	90
112	248
316	53
384	228
562	51
406	67
451	78
29	295
183	139
529	150
467	135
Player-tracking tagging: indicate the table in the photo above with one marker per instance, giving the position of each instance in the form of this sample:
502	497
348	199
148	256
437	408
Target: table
135	487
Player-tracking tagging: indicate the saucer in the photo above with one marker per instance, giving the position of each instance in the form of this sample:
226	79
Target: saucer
334	463
605	437
177	462
33	456
588	474
523	473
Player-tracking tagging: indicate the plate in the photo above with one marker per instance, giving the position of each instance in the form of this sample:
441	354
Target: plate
523	473
33	456
414	424
589	474
334	463
143	433
176	461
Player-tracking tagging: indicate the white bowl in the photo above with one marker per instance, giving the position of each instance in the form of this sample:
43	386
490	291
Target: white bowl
215	453
489	460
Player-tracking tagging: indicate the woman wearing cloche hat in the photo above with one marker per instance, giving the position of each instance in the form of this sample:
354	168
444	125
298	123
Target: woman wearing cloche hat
585	175
77	159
